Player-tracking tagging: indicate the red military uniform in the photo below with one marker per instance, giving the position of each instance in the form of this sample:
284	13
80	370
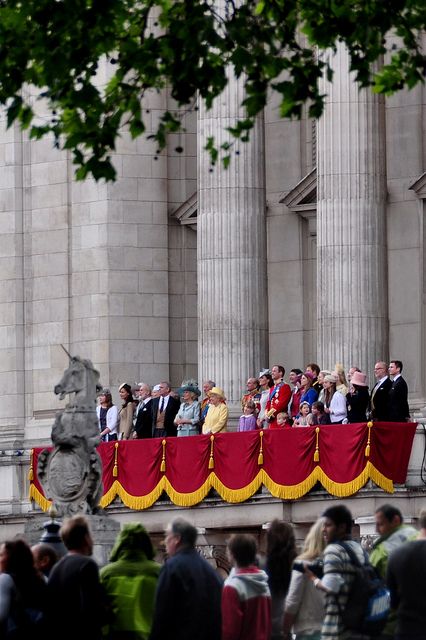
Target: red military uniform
254	395
278	400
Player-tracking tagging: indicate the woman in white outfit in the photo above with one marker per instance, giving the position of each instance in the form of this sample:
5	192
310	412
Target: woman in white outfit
107	416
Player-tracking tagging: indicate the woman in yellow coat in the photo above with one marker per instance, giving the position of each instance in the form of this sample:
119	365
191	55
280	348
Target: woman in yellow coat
217	414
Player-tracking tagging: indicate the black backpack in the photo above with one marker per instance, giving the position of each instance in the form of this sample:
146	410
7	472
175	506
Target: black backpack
368	604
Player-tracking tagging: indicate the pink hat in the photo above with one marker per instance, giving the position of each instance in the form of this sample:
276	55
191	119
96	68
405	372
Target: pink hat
359	379
308	374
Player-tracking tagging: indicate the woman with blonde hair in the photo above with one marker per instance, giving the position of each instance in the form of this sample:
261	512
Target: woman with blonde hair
304	605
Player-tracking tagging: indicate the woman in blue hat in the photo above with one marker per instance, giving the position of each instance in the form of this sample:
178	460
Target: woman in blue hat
188	417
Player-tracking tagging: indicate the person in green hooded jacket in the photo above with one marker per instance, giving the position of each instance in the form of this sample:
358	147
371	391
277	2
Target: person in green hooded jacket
130	580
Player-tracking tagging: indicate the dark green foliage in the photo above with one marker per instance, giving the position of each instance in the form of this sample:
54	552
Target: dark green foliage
56	46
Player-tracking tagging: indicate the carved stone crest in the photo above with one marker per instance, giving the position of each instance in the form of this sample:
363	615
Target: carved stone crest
71	474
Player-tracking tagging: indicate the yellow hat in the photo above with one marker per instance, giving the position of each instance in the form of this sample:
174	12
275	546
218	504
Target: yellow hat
217	391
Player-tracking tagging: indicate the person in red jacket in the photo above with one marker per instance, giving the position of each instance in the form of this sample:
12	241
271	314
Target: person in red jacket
279	396
246	599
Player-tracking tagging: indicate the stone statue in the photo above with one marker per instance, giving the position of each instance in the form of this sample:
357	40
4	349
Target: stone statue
71	474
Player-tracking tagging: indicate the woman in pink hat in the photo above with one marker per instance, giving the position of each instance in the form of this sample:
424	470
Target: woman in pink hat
357	398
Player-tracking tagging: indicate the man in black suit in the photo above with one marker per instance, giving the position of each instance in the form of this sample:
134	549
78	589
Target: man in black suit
164	410
143	421
398	410
379	393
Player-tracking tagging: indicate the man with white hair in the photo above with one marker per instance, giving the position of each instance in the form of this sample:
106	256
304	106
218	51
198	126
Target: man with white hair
143	422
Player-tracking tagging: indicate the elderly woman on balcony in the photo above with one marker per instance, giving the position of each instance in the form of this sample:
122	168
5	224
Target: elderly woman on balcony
217	414
188	417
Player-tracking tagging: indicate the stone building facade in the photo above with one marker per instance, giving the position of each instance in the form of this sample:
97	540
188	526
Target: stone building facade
310	247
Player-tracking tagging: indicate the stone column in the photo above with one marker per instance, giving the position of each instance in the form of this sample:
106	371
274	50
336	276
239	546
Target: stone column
352	274
12	387
231	252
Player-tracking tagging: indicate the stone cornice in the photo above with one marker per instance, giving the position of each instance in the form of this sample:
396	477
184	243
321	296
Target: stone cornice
419	186
186	214
302	198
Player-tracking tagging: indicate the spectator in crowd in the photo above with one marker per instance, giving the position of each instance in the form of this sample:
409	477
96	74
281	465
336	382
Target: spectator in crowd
76	604
398	410
338	569
321	377
253	393
283	420
129	581
319	416
406	579
342	384
305	416
334	402
265	382
304	604
207	387
246	600
380	392
295	378
155	391
164	410
188	597
125	414
187	418
248	420
392	534
280	553
45	558
357	398
22	589
313	368
279	396
143	423
351	372
309	394
107	414
216	419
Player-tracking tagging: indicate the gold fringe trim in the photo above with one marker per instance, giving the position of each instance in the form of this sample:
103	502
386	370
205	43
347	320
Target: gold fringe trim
260	456
316	454
284	492
31	469
367	448
115	467
163	459
211	459
34	494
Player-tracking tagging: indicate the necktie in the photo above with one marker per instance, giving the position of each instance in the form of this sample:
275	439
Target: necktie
162	405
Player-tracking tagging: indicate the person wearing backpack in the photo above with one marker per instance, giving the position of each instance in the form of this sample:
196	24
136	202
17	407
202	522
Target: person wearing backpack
339	571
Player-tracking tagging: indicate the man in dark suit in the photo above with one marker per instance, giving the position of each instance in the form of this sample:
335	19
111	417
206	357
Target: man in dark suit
164	410
398	410
143	421
379	393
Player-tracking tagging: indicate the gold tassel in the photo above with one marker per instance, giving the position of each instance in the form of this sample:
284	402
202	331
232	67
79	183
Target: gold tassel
260	456
31	470
163	459
211	459
115	467
367	448
316	454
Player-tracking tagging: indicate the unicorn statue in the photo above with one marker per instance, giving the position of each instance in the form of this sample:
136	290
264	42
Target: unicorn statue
71	473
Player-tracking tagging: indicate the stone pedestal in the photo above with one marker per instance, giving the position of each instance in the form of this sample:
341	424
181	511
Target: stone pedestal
232	301
104	532
352	277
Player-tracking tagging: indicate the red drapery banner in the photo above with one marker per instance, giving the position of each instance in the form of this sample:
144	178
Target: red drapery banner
288	462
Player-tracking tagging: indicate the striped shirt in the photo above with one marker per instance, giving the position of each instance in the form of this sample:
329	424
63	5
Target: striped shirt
338	578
